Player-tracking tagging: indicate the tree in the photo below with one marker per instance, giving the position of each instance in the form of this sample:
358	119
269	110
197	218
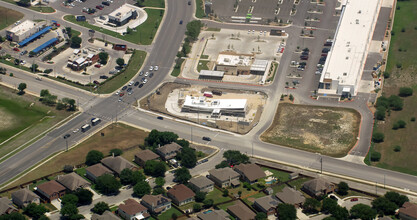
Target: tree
182	175
69	103
103	56
155	168
156	138
396	103
222	164
68	168
405	91
208	203
260	216
380	113
196	207
34	67
100	208
401	123
35	211
160	181
21	88
193	29
69	31
126	176
85	196
43	217
286	212
69	210
69	199
362	211
137	177
120	62
188	157
375	156
142	188
340	213
107	184
328	205
378	137
342	188
76	42
384	205
158	190
93	157
24	3
234	157
225	193
396	198
200	196
44	92
183	143
311	206
13	216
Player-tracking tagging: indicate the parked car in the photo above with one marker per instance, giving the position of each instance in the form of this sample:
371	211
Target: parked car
99	7
354	199
150	68
155	68
160	118
206	138
104	77
67	136
189	2
136	84
124	88
121	94
145	81
180	21
106	3
97	65
140	85
141	73
150	75
129	89
23	52
147	74
131	83
16	49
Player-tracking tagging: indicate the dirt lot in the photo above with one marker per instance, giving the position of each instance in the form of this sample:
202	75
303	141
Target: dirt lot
6	120
329	131
156	102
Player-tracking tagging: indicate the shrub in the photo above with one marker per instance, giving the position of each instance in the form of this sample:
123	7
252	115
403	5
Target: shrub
375	156
386	75
401	123
378	137
395	126
380	113
68	168
397	148
116	152
405	91
399	65
413	119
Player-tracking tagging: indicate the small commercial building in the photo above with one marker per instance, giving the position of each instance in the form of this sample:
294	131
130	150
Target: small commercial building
234	64
211	74
35	36
259	67
78	61
122	15
21	31
215	107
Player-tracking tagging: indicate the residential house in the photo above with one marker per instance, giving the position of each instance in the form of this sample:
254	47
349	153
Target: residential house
250	172
107	215
168	151
224	177
291	196
73	181
145	155
156	203
181	195
92	172
201	184
266	204
117	164
6	206
51	190
318	187
24	197
214	215
132	210
408	211
241	212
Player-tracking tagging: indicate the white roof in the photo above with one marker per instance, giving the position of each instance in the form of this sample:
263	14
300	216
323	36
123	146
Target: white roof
76	51
205	103
259	65
23	27
79	60
233	60
89	56
211	73
123	10
346	59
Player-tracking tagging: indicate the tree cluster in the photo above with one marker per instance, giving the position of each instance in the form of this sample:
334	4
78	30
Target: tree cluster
182	175
93	157
155	168
129	177
76	42
389	203
69	208
233	157
104	57
35	211
107	184
192	32
51	100
159	138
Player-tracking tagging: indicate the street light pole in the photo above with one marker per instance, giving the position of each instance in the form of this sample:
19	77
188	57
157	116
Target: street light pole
321	164
66	142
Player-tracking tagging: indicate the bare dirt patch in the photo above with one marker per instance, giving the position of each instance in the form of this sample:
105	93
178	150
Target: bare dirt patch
6	119
329	131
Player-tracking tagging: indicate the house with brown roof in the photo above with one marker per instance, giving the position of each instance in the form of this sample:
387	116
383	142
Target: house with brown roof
73	181
266	204
96	170
241	212
214	215
107	215
133	210
201	184
156	203
168	151
24	197
224	177
291	196
51	190
181	195
117	164
6	206
250	172
408	211
318	187
145	155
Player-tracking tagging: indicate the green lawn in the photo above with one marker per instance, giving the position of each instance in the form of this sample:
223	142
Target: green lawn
144	33
42	9
213	29
204	57
280	175
199	12
177	69
224	206
245	192
298	183
202	65
8	17
168	214
249	200
154	3
217	196
278	188
11	63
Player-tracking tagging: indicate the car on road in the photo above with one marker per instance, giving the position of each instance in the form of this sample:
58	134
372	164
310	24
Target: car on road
156	68
124	88
354	199
141	73
67	136
76	130
23	52
105	3
206	138
150	68
140	85
99	7
160	118
22	62
147	74
97	65
136	83
333	197
189	2
150	75
180	21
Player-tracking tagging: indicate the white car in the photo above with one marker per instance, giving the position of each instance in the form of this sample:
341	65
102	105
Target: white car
156	68
118	92
145	81
75	130
147	74
131	83
150	68
22	62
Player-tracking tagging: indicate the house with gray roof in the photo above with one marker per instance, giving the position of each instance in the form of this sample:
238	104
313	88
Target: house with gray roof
224	177
24	197
73	181
214	215
241	212
156	204
168	151
131	209
318	187
291	196
145	155
107	215
117	164
201	184
96	170
6	206
266	204
250	172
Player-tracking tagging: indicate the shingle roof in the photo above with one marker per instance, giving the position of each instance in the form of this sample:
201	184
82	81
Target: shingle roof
251	171
107	215
223	174
169	148
317	184
98	170
267	202
181	192
73	181
214	215
290	196
409	209
132	207
241	211
201	181
25	195
6	206
155	200
51	187
117	164
146	155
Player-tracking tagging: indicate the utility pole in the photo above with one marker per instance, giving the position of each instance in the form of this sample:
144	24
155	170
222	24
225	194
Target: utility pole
321	164
252	149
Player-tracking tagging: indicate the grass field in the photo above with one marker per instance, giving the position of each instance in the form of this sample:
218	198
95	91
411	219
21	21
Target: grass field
329	131
176	71
298	183
217	196
115	136
199	12
145	32
202	65
8	17
168	214
280	175
42	9
154	3
403	51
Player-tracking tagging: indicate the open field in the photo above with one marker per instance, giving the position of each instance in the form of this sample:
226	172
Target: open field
329	131
154	3
42	9
18	113
403	51
145	32
8	17
115	136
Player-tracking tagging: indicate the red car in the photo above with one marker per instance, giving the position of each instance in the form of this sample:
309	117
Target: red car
16	49
97	65
354	199
121	94
99	7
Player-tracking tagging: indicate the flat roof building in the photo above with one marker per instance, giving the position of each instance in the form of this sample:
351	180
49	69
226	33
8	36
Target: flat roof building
211	74
215	107
22	31
123	15
345	62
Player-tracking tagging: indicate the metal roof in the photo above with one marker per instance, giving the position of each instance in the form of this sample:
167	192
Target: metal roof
37	34
45	45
